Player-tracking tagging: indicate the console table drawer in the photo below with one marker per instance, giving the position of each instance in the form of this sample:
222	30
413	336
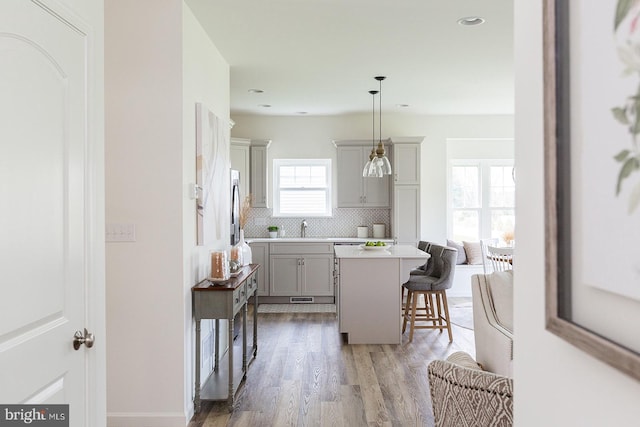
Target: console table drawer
239	297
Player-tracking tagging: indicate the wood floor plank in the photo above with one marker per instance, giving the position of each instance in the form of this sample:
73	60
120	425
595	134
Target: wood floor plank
353	412
331	414
288	405
375	408
312	383
306	375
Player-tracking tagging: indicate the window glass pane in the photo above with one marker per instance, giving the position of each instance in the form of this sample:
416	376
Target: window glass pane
318	176
465	187
502	191
287	176
502	221
302	201
466	225
302	176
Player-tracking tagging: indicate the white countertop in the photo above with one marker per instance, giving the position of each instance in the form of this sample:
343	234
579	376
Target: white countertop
350	240
391	251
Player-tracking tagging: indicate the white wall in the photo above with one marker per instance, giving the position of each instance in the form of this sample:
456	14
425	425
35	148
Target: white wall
206	80
145	313
159	63
308	137
556	384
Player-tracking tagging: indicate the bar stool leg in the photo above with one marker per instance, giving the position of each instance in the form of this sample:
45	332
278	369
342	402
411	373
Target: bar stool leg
414	302
446	313
405	314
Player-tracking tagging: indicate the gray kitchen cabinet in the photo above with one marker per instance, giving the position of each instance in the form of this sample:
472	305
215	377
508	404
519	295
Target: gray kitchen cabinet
405	215
260	255
285	275
259	173
354	190
317	275
239	157
301	269
406	164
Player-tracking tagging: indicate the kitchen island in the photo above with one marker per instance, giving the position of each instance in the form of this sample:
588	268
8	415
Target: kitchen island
369	291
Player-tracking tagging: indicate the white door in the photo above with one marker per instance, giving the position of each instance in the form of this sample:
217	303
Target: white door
45	223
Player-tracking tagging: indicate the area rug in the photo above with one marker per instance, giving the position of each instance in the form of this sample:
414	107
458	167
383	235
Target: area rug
296	308
462	315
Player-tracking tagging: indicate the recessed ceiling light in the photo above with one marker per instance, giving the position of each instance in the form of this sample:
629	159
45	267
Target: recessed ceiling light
471	20
301	112
264	105
255	91
402	105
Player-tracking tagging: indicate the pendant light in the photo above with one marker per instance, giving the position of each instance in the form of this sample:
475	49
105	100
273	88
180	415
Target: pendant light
372	168
381	160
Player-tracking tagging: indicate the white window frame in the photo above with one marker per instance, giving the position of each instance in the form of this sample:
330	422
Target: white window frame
277	163
484	211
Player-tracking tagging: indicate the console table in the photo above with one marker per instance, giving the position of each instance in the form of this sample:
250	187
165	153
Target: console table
222	300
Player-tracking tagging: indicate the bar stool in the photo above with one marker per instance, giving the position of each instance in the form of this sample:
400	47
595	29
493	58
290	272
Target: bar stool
423	270
433	288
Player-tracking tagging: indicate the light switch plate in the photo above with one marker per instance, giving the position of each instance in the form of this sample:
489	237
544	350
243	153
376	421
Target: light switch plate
120	232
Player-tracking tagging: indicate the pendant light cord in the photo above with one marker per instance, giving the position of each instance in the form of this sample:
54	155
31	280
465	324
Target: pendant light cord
380	111
373	119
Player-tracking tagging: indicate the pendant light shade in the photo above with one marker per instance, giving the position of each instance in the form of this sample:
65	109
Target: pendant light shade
381	159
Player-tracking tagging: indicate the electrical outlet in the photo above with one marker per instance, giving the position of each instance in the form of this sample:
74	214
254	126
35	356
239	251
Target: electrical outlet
260	221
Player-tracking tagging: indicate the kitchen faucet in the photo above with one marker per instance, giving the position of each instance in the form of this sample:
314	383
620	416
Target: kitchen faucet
303	228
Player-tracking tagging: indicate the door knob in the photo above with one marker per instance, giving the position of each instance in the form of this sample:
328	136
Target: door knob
79	338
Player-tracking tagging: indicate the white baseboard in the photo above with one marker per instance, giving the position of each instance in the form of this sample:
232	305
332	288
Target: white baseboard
146	419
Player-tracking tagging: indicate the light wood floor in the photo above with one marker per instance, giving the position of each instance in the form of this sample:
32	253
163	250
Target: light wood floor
305	375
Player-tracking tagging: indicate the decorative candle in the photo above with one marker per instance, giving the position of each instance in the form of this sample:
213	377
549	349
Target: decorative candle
219	265
235	253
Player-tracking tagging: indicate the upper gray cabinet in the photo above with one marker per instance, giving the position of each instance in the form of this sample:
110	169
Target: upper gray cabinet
259	173
353	190
239	156
406	163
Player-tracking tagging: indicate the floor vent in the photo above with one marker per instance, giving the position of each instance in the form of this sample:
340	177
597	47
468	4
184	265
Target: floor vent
301	300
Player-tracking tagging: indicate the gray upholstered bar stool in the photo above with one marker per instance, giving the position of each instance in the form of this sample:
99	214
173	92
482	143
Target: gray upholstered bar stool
432	286
418	271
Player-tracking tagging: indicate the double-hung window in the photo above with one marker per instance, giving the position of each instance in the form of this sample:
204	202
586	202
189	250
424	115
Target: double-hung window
482	199
302	187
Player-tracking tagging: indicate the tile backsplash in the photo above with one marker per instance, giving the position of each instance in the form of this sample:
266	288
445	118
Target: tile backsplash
344	223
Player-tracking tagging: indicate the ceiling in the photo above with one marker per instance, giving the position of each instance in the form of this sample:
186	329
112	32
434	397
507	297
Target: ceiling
320	56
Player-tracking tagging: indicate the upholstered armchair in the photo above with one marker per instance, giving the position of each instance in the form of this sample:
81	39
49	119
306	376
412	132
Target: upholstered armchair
492	296
463	395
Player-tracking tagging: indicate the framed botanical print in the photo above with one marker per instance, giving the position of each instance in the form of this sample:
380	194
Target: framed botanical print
592	177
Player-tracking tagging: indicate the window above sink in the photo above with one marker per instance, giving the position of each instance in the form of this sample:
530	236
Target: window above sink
302	188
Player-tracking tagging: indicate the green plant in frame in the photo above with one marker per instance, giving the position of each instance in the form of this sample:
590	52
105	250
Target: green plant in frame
627	34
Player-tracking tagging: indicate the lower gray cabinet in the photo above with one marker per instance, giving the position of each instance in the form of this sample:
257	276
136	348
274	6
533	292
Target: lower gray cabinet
260	255
305	270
